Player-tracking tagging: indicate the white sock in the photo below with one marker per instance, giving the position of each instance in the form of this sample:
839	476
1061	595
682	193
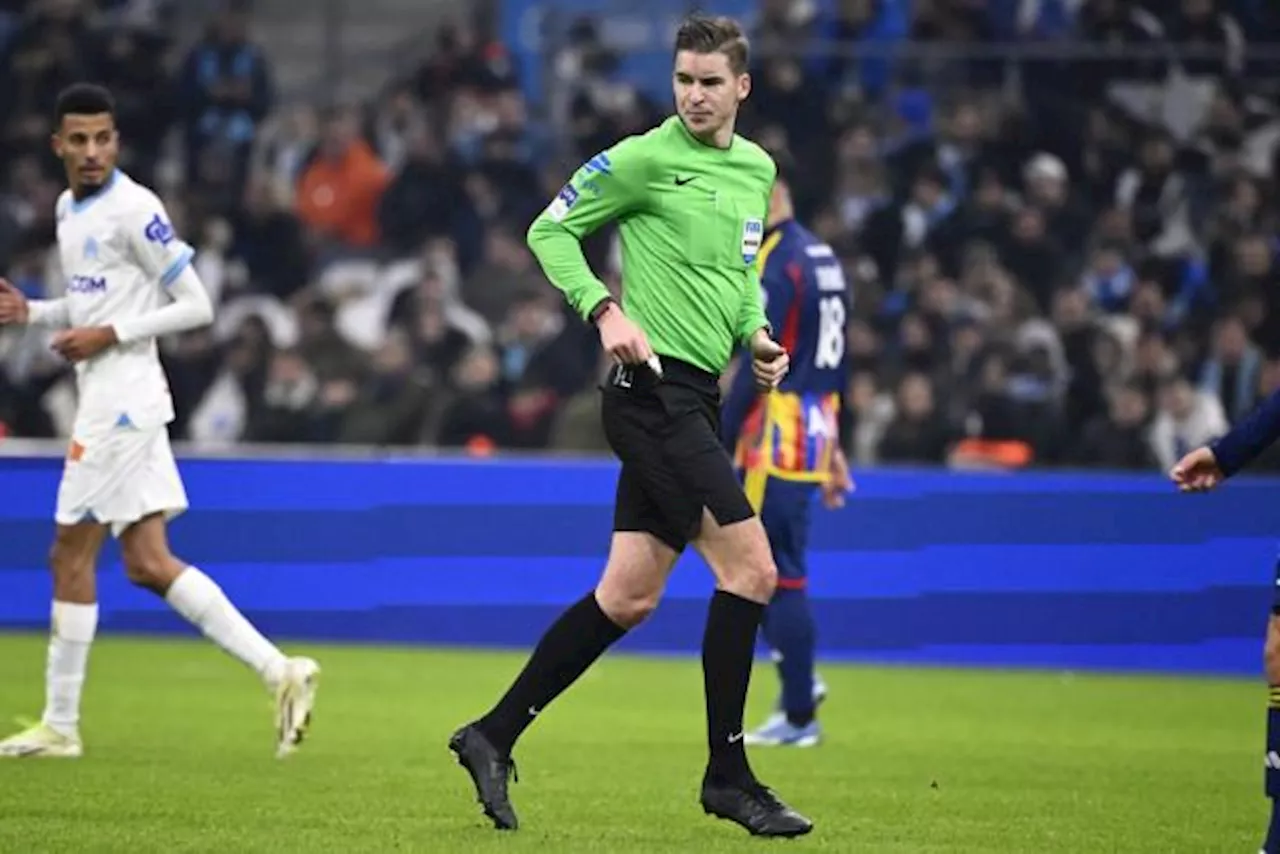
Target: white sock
72	628
198	597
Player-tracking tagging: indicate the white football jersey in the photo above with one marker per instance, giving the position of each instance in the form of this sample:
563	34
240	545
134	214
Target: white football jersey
118	254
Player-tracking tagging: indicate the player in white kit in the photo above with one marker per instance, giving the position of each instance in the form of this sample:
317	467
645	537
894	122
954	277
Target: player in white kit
129	281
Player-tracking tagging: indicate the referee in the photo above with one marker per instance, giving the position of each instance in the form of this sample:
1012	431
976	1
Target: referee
690	198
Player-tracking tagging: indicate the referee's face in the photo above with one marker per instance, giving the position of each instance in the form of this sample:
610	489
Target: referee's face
88	146
708	93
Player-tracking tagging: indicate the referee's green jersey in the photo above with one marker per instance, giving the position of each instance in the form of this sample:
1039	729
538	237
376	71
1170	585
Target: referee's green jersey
691	218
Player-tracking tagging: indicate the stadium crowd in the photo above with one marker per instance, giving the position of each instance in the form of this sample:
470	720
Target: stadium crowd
1062	256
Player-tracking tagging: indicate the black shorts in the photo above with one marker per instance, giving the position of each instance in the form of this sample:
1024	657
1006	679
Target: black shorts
667	435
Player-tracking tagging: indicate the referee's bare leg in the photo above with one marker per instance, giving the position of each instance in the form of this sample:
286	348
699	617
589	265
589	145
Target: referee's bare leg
634	577
739	556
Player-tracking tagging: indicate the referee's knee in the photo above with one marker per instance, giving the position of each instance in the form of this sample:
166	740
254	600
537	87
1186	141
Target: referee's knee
755	578
626	609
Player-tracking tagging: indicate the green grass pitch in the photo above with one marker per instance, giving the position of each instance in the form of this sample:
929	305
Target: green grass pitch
179	759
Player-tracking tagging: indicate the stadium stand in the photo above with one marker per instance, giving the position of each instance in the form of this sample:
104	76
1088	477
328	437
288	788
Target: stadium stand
1064	254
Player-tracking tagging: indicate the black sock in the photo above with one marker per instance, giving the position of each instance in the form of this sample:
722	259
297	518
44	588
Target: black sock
566	650
728	647
1272	845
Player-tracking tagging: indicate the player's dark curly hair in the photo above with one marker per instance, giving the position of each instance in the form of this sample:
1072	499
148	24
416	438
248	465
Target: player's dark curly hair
720	34
83	99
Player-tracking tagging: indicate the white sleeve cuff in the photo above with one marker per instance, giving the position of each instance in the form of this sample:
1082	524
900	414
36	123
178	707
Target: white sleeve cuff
48	312
175	269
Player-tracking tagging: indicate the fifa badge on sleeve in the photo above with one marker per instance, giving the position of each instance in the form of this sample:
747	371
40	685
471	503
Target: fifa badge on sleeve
562	203
752	237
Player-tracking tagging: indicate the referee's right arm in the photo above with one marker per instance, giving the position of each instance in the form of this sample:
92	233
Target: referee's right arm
607	187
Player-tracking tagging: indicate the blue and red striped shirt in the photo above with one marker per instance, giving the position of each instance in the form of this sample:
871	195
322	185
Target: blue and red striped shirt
792	432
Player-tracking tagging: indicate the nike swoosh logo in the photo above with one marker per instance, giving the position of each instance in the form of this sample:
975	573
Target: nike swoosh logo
680	182
533	711
735	738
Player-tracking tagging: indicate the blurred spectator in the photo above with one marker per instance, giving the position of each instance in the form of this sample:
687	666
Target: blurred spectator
537	349
439	327
577	427
425	198
918	433
270	242
476	412
871	411
391	405
1109	279
1048	187
503	120
1154	362
339	191
782	94
784	27
1156	195
398	117
1254	278
1132	35
1032	254
924	221
225	93
53	46
507	271
466	57
325	350
289	399
133	67
1185	420
1230	374
1079	336
284	144
1118	440
233	403
1216	35
860	37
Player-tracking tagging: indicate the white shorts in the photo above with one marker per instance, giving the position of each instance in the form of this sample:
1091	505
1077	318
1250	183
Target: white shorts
124	476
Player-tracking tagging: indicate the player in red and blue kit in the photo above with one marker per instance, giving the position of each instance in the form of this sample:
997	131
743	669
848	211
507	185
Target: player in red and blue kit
1202	470
788	445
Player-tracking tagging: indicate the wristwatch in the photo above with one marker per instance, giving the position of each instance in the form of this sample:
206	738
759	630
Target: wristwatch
600	308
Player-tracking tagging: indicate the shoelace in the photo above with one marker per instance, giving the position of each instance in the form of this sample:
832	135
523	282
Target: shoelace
764	796
508	768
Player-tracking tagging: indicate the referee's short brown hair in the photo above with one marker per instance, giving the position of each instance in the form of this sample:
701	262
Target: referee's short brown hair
721	34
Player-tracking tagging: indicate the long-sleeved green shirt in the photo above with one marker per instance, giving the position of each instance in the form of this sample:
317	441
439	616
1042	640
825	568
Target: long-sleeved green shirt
691	218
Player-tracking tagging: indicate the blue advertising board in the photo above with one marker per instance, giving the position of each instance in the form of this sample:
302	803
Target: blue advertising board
1055	570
